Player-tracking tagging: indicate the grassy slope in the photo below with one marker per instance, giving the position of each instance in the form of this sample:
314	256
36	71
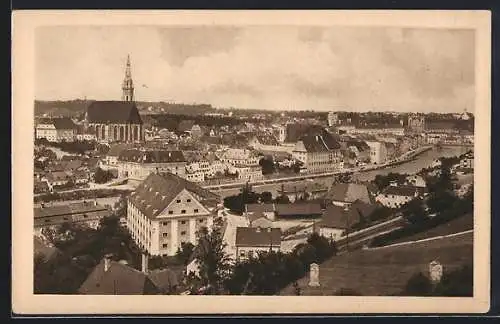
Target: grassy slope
385	271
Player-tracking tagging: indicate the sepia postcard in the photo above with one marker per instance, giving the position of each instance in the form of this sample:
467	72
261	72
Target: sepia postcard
251	162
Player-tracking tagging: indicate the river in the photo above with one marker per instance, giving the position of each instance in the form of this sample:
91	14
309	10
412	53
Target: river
423	160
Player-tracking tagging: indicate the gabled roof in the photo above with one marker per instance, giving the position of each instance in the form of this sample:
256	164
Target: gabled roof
348	192
263	208
305	209
120	279
320	143
113	112
343	218
68	209
158	190
164	279
185	125
151	156
117	148
258	237
59	122
295	131
267	139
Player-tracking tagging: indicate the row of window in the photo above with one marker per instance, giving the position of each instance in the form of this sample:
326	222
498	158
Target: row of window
183	211
183	222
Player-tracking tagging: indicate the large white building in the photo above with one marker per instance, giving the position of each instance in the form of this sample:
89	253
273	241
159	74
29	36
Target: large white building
60	129
333	118
137	164
166	210
318	153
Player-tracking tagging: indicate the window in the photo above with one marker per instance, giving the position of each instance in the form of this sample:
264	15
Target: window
164	245
196	210
47	220
165	234
189	200
242	253
183	211
183	233
201	220
178	201
65	218
170	212
85	216
164	223
183	222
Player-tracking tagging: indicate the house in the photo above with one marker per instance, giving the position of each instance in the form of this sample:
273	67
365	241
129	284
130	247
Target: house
303	191
268	143
342	194
298	210
110	277
318	153
137	164
397	196
378	152
57	179
196	131
166	210
115	149
255	212
80	177
61	129
252	240
88	213
337	219
416	180
247	173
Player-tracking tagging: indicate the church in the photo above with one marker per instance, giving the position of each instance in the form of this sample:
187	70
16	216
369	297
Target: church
116	121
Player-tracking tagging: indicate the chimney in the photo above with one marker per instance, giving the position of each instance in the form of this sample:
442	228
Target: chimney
107	262
144	263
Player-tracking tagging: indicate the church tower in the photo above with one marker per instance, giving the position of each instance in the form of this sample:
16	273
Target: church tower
128	84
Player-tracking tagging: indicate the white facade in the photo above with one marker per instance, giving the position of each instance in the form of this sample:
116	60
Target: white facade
333	118
317	162
178	223
49	132
245	252
378	152
331	233
394	201
139	171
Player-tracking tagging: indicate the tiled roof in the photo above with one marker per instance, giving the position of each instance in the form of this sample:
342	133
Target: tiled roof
303	186
57	176
158	190
343	218
116	149
165	279
320	143
264	208
68	209
59	123
305	209
349	192
120	279
267	139
407	191
295	131
258	237
151	156
185	125
360	145
113	112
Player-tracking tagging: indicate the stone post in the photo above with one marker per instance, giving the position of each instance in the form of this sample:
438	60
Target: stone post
314	275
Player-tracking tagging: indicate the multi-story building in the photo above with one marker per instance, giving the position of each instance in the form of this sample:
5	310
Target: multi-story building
166	210
248	172
137	164
333	118
86	213
318	153
60	129
237	156
252	240
378	152
397	196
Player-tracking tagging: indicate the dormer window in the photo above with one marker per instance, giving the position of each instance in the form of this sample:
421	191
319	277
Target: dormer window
178	201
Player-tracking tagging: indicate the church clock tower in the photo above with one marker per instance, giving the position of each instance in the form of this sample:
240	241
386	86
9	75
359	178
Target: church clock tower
128	84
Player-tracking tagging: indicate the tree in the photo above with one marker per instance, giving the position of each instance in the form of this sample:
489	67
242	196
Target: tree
282	199
184	252
267	165
211	257
102	176
414	211
458	283
266	197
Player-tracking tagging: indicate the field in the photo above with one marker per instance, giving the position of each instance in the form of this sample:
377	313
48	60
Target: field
460	224
385	271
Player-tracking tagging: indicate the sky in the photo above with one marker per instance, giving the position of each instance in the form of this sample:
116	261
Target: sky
262	67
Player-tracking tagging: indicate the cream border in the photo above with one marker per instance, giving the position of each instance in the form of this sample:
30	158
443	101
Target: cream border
25	302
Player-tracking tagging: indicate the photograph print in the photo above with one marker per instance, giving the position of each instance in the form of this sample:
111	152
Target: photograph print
256	159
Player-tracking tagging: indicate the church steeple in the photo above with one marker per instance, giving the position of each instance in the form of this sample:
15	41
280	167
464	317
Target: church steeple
128	84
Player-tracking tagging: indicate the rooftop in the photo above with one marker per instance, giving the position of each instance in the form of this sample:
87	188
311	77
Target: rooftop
258	237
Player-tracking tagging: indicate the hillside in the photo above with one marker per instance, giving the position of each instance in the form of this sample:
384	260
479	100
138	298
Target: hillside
385	271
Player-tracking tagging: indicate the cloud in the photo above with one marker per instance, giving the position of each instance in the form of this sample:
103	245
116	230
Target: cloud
283	67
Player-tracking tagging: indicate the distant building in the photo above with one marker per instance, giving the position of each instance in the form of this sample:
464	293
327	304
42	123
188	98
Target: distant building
416	123
397	196
111	277
88	213
298	210
302	191
345	194
116	121
337	219
137	164
252	240
60	129
268	143
319	153
378	152
333	118
254	212
166	210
